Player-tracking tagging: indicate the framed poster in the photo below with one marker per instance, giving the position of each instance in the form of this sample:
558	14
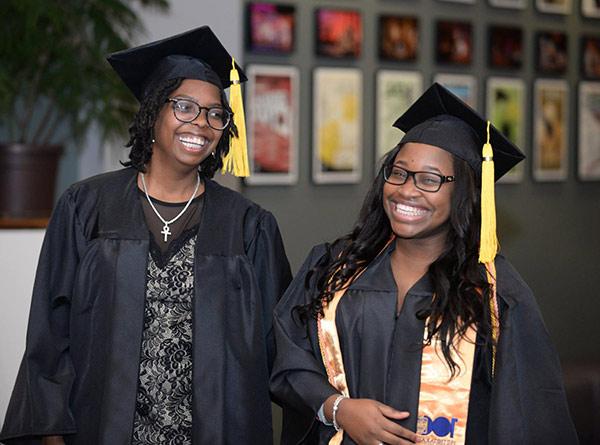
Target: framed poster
396	91
337	125
398	38
550	130
590	57
339	33
590	8
588	149
505	49
551	52
511	4
454	42
554	6
462	85
506	111
272	118
270	28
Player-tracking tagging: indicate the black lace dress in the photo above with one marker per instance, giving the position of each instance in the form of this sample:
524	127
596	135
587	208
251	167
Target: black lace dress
164	398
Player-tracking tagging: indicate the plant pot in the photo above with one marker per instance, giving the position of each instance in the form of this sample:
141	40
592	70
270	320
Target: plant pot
27	179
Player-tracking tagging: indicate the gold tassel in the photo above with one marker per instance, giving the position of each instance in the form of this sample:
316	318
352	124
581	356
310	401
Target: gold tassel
236	161
488	243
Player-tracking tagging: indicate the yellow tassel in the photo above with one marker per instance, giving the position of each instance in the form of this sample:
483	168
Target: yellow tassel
236	161
488	243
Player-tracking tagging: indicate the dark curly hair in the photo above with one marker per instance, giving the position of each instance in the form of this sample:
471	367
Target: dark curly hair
461	291
141	130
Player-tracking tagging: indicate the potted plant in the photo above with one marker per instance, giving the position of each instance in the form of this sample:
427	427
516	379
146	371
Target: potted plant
54	83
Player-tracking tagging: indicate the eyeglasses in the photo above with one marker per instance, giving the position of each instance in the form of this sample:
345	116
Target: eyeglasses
186	110
426	181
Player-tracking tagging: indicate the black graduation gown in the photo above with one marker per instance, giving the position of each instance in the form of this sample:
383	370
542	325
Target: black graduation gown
527	404
79	374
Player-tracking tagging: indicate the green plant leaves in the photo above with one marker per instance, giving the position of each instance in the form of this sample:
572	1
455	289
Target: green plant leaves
54	73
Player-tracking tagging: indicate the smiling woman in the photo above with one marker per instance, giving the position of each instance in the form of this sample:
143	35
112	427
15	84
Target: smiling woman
151	312
407	329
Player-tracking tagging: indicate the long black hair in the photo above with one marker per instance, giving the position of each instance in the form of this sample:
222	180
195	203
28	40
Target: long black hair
141	130
461	296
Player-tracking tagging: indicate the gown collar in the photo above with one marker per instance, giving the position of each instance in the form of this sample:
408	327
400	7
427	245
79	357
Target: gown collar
379	277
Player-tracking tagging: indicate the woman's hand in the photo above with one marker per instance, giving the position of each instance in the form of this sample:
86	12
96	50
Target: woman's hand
367	422
53	440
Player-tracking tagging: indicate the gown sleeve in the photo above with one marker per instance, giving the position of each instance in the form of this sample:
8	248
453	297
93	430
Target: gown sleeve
39	405
299	380
267	253
529	404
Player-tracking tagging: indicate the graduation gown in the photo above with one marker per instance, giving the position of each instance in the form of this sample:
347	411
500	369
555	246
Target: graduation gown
79	374
382	360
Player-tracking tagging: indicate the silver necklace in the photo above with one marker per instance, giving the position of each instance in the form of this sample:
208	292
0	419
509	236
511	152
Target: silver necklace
166	231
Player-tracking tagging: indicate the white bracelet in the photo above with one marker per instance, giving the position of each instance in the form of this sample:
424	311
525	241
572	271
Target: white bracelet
321	416
336	405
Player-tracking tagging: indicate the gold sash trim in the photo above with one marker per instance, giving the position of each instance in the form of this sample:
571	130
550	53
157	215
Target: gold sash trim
331	352
443	399
329	343
443	402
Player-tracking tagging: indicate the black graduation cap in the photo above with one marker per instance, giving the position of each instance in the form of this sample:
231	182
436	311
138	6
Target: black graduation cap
196	54
440	118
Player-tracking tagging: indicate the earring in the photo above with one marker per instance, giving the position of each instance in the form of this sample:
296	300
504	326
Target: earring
153	140
213	154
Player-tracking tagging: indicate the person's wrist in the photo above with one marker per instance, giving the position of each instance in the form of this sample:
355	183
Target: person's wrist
328	406
334	412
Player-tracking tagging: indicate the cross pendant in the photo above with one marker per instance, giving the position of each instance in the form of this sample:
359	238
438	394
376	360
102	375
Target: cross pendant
166	231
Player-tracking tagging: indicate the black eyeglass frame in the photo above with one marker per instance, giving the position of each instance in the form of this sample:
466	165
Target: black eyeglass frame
443	179
225	112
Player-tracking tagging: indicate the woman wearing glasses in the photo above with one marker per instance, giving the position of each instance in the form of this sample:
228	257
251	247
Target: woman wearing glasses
410	328
152	306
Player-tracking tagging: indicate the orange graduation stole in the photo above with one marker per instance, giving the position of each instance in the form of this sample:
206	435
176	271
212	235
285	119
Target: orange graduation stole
443	401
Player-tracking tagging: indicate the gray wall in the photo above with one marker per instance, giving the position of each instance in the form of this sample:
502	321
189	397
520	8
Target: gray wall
548	231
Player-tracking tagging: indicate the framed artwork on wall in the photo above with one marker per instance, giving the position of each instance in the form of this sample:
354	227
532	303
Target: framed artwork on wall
398	38
395	92
590	57
551	52
462	85
337	125
270	28
588	149
454	42
554	6
338	33
590	8
505	99
550	130
511	4
272	118
505	49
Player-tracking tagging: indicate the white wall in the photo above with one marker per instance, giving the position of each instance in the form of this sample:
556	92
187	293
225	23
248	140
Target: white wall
19	250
